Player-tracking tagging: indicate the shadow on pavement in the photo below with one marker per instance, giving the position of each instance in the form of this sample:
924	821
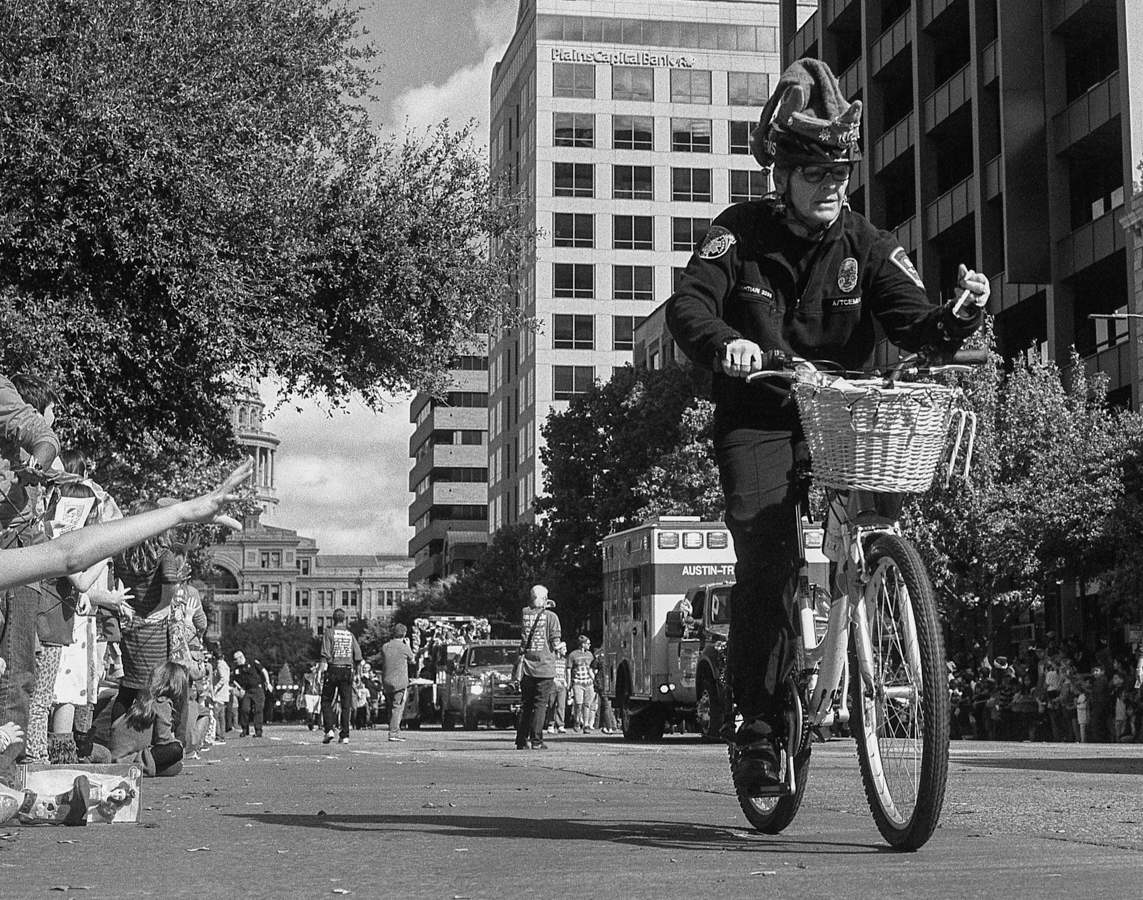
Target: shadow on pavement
1076	766
658	835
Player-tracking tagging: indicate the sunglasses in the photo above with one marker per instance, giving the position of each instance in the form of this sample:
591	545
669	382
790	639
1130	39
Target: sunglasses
815	174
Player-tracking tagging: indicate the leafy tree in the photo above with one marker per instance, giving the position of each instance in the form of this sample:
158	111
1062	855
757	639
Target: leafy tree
497	586
597	459
1040	504
1121	585
273	642
685	480
191	196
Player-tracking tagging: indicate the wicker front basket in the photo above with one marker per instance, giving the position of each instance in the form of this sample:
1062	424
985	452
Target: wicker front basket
865	436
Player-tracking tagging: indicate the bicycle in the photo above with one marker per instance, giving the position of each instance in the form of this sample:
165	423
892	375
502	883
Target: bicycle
871	441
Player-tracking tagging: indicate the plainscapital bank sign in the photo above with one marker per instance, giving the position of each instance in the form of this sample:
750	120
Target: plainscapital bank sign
623	58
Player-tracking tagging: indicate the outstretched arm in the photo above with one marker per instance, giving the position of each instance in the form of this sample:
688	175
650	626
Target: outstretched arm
75	551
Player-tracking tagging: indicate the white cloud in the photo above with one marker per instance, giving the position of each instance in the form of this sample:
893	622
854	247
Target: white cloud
462	97
343	476
465	94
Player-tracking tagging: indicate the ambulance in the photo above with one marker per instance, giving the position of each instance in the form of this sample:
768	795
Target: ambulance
666	621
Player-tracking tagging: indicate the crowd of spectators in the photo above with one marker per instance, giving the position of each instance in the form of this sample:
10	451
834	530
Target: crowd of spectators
105	665
1057	693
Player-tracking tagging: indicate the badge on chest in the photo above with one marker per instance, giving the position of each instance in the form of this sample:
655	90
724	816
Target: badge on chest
847	275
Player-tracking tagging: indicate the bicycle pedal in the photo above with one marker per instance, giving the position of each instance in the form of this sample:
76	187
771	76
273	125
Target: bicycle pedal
771	790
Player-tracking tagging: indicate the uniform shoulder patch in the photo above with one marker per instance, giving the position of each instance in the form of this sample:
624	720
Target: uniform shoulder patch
716	243
901	260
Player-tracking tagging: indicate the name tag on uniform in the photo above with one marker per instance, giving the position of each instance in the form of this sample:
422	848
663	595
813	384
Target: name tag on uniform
842	303
756	291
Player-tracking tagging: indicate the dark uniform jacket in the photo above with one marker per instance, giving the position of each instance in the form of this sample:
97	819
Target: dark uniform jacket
743	282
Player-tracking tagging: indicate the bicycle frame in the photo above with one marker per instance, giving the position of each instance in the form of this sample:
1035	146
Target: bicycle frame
824	696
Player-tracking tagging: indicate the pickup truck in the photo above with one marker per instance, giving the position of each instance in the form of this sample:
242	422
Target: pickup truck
479	689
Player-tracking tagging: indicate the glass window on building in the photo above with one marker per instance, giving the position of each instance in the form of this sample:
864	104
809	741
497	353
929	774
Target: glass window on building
690	86
633	183
690	135
469	363
568	381
472	437
573	80
573	179
691	185
573	129
632	83
573	332
748	89
633	282
623	332
740	137
686	234
633	132
633	232
573	229
576	280
745	186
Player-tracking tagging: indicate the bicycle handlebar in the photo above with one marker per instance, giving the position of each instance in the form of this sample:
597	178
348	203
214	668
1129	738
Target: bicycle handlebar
782	364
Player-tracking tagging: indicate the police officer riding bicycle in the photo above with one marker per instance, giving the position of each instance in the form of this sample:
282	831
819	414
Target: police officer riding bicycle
799	272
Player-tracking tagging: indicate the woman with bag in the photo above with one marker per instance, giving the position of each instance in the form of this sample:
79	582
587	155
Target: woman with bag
539	667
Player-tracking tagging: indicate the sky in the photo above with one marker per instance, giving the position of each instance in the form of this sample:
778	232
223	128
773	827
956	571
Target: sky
342	476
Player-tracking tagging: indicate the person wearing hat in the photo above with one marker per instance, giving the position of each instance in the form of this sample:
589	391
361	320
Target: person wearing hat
799	273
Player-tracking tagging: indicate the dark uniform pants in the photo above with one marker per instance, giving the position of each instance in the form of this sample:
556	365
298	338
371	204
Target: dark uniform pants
250	711
759	481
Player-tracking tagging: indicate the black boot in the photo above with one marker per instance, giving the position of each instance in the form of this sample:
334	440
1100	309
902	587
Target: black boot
83	743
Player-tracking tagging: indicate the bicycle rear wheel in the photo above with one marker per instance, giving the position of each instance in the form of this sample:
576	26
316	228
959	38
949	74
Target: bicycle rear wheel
901	698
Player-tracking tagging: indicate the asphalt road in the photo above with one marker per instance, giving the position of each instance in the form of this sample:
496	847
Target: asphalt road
464	816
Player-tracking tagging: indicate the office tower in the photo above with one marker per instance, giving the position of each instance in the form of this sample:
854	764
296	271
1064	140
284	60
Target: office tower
626	128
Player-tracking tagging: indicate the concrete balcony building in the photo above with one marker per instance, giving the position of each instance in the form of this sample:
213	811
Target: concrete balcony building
1004	135
449	476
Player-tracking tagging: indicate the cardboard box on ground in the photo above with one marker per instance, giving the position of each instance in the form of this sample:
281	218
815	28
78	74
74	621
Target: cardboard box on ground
111	792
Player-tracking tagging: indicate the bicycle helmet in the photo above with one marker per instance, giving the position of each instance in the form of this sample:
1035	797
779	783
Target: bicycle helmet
807	121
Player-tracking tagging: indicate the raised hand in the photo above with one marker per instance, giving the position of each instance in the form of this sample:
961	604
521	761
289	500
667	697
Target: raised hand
976	291
208	508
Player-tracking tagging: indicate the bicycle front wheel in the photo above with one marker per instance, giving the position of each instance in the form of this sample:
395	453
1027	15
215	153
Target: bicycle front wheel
900	696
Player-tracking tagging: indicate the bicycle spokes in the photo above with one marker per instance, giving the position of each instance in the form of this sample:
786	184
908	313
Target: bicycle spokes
895	695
